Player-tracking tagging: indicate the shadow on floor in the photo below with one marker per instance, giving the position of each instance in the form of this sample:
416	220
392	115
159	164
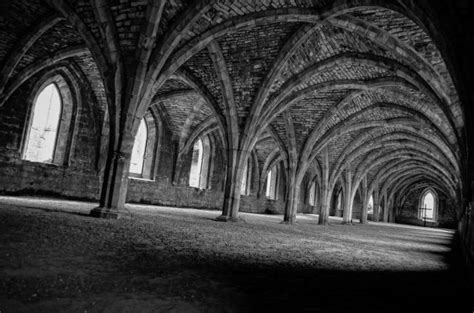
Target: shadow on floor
247	287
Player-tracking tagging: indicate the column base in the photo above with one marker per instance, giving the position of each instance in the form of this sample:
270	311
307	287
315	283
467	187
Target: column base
224	218
287	222
101	212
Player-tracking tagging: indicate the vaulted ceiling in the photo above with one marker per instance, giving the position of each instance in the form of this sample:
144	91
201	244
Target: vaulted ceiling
366	83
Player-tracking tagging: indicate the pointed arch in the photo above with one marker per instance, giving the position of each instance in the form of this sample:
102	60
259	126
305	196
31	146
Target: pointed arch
428	205
44	125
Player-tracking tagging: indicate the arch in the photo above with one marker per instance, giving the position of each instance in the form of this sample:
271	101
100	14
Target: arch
56	127
14	56
428	205
43	127
37	66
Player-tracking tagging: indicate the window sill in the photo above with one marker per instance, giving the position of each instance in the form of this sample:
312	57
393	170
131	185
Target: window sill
141	178
42	163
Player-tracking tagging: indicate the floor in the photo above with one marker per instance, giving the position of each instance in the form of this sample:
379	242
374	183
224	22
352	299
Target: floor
54	258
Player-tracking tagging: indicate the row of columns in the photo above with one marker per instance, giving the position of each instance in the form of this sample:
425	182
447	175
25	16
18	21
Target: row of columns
113	199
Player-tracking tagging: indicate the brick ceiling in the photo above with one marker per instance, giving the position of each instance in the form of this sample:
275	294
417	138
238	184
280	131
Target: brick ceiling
365	82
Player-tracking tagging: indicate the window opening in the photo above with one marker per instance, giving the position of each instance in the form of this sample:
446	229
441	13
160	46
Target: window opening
427	206
246	176
271	184
44	125
370	205
312	192
196	164
139	148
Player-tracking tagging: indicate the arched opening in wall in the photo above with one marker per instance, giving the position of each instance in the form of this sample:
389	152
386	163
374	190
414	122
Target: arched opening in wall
139	148
428	205
370	205
245	187
47	137
44	125
199	173
312	194
271	188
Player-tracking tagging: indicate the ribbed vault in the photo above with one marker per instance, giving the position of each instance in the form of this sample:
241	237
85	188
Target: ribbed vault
351	91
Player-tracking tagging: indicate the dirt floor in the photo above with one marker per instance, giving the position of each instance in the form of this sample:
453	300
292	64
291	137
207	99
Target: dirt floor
54	258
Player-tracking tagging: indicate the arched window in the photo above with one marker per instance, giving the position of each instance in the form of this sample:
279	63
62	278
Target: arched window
312	194
139	148
370	205
428	205
200	163
44	125
271	191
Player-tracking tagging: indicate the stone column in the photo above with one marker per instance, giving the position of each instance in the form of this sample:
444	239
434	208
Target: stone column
318	199
233	181
385	208
347	215
324	213
114	187
376	215
293	192
392	211
365	201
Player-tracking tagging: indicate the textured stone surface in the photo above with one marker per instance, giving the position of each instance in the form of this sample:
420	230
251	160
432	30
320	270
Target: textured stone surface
382	87
167	259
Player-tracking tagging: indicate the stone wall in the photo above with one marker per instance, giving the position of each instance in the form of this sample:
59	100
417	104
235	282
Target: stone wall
161	191
77	177
446	213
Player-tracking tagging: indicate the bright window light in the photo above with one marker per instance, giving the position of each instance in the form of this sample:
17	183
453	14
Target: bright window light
44	126
138	151
195	173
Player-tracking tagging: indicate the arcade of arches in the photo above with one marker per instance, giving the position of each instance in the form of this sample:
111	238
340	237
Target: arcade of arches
358	109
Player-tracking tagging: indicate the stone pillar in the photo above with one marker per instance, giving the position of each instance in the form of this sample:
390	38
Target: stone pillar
293	192
385	208
392	211
365	201
324	213
115	183
233	181
376	214
318	199
347	215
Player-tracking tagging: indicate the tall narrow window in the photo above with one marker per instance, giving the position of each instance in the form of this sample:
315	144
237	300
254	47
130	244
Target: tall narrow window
243	186
196	164
43	130
312	194
139	148
339	202
428	206
271	191
246	179
201	165
370	205
269	184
